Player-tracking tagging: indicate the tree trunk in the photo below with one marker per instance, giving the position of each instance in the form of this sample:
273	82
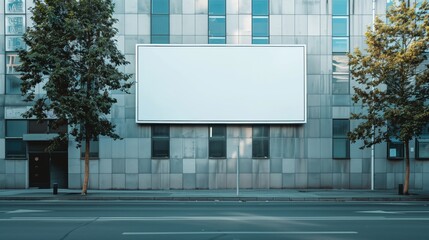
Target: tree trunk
407	168
86	176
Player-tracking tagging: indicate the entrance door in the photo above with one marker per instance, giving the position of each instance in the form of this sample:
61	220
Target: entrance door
39	170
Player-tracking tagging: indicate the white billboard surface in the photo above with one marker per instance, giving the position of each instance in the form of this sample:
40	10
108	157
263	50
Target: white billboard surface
240	84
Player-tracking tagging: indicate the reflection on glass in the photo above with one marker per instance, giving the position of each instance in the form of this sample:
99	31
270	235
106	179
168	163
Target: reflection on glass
340	64
260	27
217	40
340	127
12	62
217	7
16	128
422	146
260	40
260	141
340	26
15	6
16	148
15	24
340	7
216	26
260	7
340	84
160	25
217	141
341	148
160	6
13	43
13	84
340	44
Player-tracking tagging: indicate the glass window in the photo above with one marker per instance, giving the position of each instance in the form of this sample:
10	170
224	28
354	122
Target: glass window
35	126
260	7
13	84
160	6
16	128
217	40
340	64
260	40
15	6
216	26
160	39
14	43
16	149
94	149
261	141
160	24
340	7
217	141
260	27
422	148
12	62
340	141
340	44
340	84
217	7
160	141
340	26
395	149
15	24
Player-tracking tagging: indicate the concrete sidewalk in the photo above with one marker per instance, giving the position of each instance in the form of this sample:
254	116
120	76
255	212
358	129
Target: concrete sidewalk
215	195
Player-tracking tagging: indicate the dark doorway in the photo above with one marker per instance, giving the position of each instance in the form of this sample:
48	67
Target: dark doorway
46	168
39	170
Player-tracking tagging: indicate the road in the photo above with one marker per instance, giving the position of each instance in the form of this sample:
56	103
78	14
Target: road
105	220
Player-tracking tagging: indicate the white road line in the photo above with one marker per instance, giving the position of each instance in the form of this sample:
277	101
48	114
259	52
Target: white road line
238	232
218	218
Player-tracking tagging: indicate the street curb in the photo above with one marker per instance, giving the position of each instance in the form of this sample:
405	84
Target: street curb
214	199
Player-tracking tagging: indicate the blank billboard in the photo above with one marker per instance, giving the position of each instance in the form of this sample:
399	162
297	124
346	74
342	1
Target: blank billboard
240	84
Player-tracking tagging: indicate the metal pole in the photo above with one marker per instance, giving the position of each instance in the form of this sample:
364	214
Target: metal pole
238	167
372	129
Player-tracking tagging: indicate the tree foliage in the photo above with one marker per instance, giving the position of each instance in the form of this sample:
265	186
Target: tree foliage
72	52
393	80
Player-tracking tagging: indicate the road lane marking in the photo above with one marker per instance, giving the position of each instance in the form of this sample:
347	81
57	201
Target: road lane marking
217	218
240	233
26	211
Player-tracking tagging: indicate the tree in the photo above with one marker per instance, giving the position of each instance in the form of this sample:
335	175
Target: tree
72	51
393	83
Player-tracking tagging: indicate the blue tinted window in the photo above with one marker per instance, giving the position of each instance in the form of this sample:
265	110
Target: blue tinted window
160	6
340	26
260	27
160	39
217	7
340	142
260	7
260	40
340	7
216	26
217	40
160	25
340	44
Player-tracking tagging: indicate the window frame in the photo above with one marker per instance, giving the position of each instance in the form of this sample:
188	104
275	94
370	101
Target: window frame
389	147
417	144
13	138
217	139
160	138
336	137
264	139
212	15
163	38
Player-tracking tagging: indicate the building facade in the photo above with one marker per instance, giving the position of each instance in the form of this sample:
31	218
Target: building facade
315	154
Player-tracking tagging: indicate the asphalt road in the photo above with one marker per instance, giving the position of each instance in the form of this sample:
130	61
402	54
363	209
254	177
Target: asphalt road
47	220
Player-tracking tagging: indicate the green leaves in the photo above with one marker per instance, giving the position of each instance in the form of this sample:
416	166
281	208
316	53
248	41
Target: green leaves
393	80
72	51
